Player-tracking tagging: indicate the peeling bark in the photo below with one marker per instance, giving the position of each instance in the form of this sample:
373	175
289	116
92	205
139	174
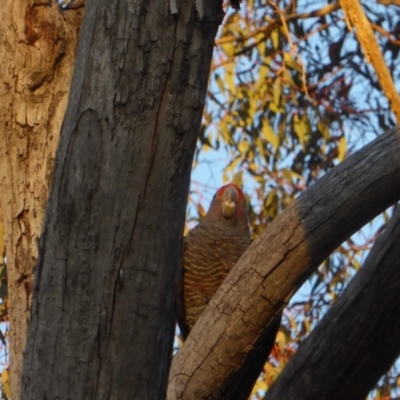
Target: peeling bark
103	306
37	52
278	262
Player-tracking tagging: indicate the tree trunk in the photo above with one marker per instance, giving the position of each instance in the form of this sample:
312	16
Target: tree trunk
357	341
2	246
103	305
278	262
37	53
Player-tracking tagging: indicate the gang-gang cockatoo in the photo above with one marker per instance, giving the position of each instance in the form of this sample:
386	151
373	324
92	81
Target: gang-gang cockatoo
210	251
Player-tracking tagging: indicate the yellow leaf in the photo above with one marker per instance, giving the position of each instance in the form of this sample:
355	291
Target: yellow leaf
261	148
324	130
293	324
229	49
220	83
287	174
230	77
243	147
262	76
230	82
273	107
307	325
261	47
225	132
233	165
268	369
238	178
275	38
342	148
205	147
271	197
291	63
277	91
259	385
301	128
288	77
269	134
252	108
281	341
5	383
253	167
356	264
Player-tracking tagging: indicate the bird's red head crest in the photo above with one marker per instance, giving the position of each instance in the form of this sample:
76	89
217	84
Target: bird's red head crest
229	202
222	190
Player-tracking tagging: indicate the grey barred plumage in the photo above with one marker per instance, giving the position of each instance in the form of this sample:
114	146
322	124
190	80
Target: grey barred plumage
209	255
211	249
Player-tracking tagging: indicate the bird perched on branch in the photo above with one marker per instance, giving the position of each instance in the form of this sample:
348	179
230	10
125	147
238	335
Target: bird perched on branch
211	249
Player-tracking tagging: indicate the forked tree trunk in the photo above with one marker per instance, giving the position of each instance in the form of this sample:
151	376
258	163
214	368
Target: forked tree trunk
103	307
278	262
37	53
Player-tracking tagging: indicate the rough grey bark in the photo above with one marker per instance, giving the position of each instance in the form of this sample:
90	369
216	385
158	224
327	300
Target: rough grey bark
278	262
37	53
357	341
245	378
103	305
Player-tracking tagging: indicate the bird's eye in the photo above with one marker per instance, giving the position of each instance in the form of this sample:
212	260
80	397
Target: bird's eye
215	195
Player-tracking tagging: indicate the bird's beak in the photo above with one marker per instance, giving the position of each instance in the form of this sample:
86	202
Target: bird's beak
229	201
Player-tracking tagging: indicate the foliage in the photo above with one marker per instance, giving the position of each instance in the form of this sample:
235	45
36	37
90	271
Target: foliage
291	94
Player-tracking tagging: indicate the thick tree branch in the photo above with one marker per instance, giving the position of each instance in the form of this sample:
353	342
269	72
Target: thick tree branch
278	262
355	13
1	234
103	307
358	339
37	52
